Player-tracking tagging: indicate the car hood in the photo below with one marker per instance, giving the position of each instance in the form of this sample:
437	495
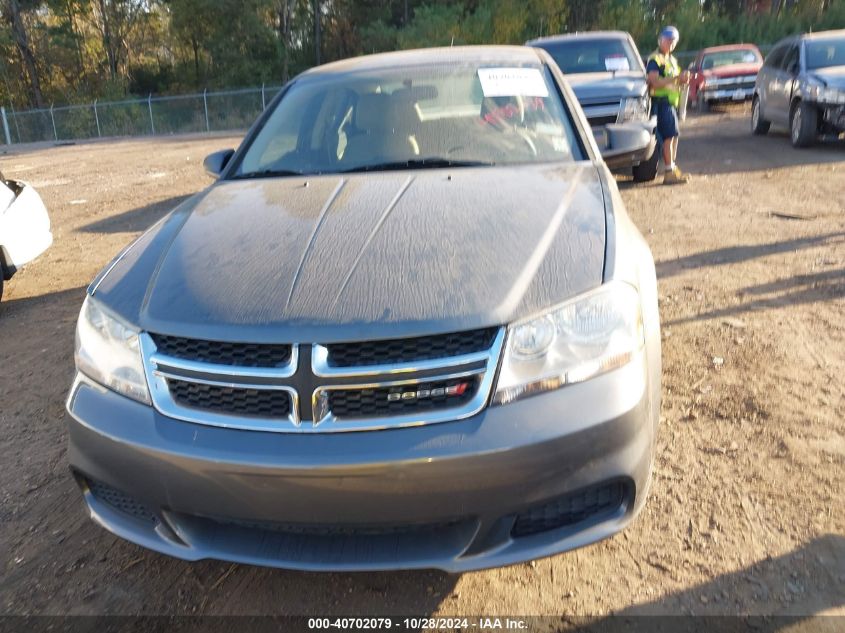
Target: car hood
376	255
594	85
833	77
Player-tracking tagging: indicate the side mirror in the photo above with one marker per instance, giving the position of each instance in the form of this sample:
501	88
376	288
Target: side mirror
627	143
215	163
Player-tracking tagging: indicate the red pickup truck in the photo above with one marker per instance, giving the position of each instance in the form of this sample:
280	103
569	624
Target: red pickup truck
724	74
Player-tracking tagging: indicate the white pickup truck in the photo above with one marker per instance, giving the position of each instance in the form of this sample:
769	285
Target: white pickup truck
24	227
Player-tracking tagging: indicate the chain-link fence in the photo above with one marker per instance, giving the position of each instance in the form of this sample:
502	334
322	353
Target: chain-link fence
203	112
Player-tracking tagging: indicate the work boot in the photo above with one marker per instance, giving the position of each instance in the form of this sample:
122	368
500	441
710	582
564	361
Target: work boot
675	177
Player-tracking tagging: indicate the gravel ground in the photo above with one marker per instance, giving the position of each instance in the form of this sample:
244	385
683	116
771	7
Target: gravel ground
746	510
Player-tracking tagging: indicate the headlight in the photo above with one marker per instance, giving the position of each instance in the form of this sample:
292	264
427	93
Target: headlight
108	352
584	337
633	109
826	95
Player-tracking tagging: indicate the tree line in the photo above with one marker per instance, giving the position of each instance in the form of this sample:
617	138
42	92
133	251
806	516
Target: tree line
75	51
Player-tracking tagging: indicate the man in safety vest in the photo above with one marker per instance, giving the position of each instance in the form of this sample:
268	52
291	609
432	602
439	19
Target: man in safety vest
665	80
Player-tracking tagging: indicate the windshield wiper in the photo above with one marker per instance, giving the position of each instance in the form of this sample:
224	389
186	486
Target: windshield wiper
420	163
268	173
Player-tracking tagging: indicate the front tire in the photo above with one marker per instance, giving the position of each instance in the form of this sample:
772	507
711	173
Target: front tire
803	124
701	104
646	171
759	125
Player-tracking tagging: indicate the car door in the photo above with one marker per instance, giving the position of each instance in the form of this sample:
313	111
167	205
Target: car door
767	79
781	86
24	225
791	68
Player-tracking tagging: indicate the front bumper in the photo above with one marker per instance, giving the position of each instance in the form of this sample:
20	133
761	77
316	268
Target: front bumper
834	116
728	94
632	159
439	496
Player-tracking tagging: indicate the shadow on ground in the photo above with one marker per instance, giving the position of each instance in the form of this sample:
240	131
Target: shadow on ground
726	150
737	254
55	307
801	289
135	220
718	602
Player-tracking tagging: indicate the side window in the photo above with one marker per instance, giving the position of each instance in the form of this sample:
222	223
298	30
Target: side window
790	60
775	57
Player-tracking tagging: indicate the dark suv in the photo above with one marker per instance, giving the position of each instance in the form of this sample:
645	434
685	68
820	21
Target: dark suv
802	85
608	76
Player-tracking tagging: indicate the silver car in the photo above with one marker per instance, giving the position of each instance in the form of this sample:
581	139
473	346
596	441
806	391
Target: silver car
802	85
409	326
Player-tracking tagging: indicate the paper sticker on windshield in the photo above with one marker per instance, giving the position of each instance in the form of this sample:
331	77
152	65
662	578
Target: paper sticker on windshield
615	63
512	82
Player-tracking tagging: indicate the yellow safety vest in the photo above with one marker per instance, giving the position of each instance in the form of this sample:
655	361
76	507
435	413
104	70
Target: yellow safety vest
669	68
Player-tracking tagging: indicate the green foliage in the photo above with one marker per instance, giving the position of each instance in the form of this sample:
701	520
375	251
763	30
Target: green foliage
179	46
433	25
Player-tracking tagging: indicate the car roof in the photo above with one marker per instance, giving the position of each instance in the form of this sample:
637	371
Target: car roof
423	56
585	35
804	37
821	35
729	47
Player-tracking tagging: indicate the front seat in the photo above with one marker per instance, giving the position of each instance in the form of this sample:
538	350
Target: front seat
386	127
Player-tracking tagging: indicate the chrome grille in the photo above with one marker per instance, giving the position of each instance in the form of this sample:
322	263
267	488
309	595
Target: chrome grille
742	81
269	403
369	353
345	387
242	354
601	110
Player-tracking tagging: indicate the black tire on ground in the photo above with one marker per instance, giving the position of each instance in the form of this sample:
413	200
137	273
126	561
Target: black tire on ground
803	124
759	125
646	171
701	104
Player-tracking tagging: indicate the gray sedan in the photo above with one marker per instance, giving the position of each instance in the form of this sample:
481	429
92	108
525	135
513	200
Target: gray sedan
409	326
802	85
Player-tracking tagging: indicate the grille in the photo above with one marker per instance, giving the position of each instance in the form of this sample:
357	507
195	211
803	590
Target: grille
240	354
248	402
329	529
746	85
120	501
596	121
410	349
396	400
571	509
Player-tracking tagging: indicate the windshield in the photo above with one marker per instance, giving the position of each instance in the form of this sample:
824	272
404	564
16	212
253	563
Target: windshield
728	58
825	53
415	117
593	55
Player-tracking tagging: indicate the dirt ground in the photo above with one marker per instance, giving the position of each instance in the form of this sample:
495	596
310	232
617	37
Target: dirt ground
746	511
